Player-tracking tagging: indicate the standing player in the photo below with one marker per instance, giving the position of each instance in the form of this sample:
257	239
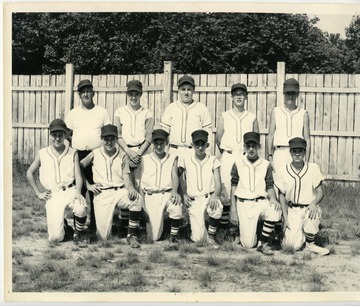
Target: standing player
202	188
251	186
85	122
301	191
158	186
60	175
113	186
232	126
286	122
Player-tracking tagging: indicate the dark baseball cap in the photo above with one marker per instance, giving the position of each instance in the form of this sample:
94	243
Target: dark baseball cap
297	143
252	136
84	83
159	134
109	130
291	85
134	85
58	125
239	86
199	135
186	79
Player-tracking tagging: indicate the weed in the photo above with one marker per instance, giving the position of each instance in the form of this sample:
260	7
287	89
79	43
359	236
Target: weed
213	261
228	247
56	255
48	266
21	252
306	256
119	265
190	248
355	248
175	262
287	249
136	278
132	257
205	278
174	288
157	256
253	260
277	262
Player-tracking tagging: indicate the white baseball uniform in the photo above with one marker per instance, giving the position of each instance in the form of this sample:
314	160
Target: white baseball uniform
57	174
299	189
156	182
252	180
200	185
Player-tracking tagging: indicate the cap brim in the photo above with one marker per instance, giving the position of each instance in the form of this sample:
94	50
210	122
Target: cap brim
109	134
291	89
252	140
58	129
134	89
298	147
199	138
79	88
186	82
159	138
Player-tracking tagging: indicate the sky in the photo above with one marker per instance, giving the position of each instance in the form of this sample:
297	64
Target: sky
333	23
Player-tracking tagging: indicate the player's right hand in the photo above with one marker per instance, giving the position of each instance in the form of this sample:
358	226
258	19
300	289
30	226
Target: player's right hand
134	157
132	194
187	200
94	188
44	195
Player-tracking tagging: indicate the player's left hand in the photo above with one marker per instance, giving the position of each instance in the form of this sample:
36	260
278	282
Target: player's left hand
175	198
213	203
312	211
132	194
276	204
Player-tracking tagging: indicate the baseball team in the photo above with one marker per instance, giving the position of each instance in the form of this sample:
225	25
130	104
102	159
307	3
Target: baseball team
127	170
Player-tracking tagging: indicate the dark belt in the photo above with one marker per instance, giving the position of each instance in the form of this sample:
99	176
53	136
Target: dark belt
150	192
63	188
255	200
176	146
114	188
228	151
291	204
279	147
136	146
206	195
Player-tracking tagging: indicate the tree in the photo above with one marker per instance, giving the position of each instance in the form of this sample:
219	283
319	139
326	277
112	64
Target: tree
353	43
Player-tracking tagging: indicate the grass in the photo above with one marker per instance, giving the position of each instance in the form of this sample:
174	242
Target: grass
136	278
132	258
157	256
56	255
355	248
174	288
190	249
213	261
205	278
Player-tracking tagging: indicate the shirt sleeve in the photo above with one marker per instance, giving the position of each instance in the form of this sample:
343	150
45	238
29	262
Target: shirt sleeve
269	181
166	119
216	163
234	175
149	126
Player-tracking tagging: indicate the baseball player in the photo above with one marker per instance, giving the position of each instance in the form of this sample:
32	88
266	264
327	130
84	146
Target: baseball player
158	187
201	189
112	186
60	175
286	122
85	122
251	186
233	124
301	191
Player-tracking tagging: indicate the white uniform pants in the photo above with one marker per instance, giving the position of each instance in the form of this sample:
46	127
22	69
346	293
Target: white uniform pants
155	206
249	213
197	217
104	206
300	223
55	210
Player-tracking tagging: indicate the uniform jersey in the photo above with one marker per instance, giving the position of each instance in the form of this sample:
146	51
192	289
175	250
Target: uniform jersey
289	124
156	173
133	128
57	171
180	120
299	187
234	129
199	174
86	125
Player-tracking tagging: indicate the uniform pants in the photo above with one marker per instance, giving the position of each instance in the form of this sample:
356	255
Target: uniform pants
300	223
55	210
155	206
249	213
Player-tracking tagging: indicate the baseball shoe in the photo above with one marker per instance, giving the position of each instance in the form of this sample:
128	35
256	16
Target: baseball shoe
174	242
236	241
133	241
211	242
312	247
276	244
79	240
265	249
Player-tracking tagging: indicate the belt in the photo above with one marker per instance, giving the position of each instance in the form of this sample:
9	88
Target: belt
178	146
63	188
279	147
150	192
228	151
136	146
206	195
255	200
113	187
291	204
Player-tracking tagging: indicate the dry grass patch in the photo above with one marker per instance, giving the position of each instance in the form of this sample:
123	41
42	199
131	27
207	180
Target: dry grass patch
157	256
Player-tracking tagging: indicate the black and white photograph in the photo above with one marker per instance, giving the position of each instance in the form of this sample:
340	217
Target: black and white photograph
181	152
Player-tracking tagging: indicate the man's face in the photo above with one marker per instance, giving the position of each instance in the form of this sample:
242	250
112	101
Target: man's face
297	155
200	147
109	142
290	97
159	146
86	95
239	97
186	92
134	98
57	138
252	149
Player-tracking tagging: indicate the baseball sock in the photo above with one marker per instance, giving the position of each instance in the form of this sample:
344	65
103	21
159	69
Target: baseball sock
225	216
310	238
213	224
267	229
175	224
79	223
278	228
134	223
124	216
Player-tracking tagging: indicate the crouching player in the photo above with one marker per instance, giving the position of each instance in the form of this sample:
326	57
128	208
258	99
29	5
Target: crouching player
301	190
253	196
112	186
60	175
202	189
158	186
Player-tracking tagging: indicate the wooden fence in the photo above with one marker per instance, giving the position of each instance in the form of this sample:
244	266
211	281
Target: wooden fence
333	102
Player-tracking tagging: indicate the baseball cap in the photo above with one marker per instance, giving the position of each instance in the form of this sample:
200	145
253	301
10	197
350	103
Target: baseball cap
134	85
58	125
186	79
160	134
291	85
239	86
84	83
199	135
252	136
297	143
109	130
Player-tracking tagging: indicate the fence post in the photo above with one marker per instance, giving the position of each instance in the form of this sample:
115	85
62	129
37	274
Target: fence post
167	82
69	85
280	79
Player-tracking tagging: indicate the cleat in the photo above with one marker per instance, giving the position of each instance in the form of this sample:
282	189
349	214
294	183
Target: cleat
174	242
211	242
133	241
79	240
276	244
265	249
312	247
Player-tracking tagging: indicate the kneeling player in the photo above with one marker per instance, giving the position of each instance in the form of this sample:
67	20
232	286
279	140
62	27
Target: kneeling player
158	186
60	175
300	185
113	186
251	186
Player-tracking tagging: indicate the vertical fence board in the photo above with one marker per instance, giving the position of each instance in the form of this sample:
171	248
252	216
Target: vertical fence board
117	82
341	157
21	118
15	110
159	106
45	111
356	156
211	106
109	103
151	94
